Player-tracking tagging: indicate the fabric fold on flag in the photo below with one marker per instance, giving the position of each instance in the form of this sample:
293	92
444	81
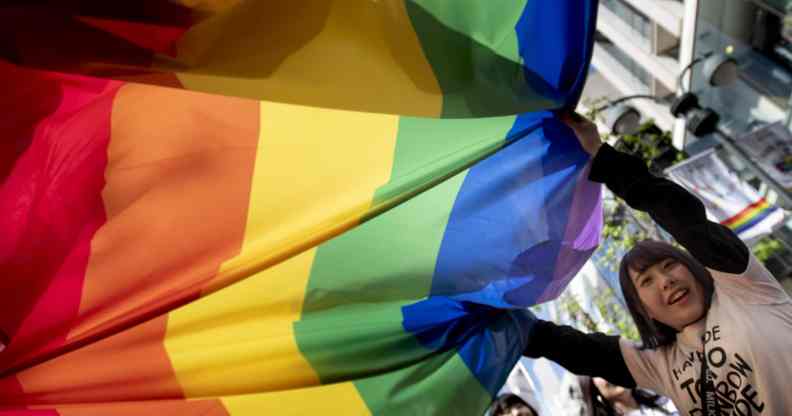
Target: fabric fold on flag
415	57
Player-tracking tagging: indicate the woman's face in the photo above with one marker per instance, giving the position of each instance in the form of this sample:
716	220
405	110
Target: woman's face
669	293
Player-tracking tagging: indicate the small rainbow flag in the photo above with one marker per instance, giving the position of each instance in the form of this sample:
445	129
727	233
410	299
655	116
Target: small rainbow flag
752	214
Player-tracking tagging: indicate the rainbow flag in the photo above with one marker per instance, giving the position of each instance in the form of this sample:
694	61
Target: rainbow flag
342	206
750	216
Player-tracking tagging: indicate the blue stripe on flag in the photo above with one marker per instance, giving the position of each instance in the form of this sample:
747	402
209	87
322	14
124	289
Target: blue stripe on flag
505	230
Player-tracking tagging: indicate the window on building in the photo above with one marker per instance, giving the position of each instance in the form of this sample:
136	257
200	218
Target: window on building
633	18
635	69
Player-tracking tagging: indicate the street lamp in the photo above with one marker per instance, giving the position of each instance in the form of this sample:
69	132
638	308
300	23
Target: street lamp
622	119
699	121
718	69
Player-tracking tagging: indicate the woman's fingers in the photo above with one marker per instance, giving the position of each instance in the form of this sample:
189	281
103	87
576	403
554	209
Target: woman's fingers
584	129
576	117
571	118
565	117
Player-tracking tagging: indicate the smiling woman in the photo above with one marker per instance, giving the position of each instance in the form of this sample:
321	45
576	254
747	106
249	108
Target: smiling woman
666	290
712	307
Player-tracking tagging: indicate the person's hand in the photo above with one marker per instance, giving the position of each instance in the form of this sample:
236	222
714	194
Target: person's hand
585	130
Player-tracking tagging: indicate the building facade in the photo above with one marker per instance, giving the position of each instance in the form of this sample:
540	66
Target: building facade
647	46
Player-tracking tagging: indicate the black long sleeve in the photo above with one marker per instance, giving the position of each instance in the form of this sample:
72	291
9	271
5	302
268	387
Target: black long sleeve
676	210
595	355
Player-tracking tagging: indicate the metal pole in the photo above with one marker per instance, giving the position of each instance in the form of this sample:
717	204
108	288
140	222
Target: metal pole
730	143
627	98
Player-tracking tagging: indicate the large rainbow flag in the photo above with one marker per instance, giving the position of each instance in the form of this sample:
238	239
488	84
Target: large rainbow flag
251	207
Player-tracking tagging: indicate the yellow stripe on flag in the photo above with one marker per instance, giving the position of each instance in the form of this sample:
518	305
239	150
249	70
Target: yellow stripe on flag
332	399
336	54
747	215
240	339
306	187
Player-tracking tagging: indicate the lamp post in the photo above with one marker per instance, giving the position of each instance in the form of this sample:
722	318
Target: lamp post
623	119
719	69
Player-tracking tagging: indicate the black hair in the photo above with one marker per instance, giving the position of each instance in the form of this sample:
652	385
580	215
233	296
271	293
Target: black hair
648	400
600	406
645	399
642	256
504	403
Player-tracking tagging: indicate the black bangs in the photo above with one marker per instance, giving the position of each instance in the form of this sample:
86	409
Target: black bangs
647	253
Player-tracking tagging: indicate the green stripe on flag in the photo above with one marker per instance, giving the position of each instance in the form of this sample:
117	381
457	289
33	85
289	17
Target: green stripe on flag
439	385
429	151
473	49
357	340
360	280
391	257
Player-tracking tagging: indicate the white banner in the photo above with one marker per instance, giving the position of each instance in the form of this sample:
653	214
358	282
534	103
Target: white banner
729	200
771	148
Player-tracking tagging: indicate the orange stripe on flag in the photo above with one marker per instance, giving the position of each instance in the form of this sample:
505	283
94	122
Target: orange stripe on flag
750	210
153	408
178	184
132	365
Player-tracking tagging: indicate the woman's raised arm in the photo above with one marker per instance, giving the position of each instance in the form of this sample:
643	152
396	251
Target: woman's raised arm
676	210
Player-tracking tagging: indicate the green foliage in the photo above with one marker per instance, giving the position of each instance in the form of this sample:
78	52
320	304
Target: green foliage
766	247
614	314
576	314
622	228
648	143
595	107
652	145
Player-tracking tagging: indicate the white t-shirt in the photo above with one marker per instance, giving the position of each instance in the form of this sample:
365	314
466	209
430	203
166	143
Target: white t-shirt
748	340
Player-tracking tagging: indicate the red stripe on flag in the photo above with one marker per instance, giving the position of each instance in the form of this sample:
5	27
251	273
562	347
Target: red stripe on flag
740	215
28	412
52	204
